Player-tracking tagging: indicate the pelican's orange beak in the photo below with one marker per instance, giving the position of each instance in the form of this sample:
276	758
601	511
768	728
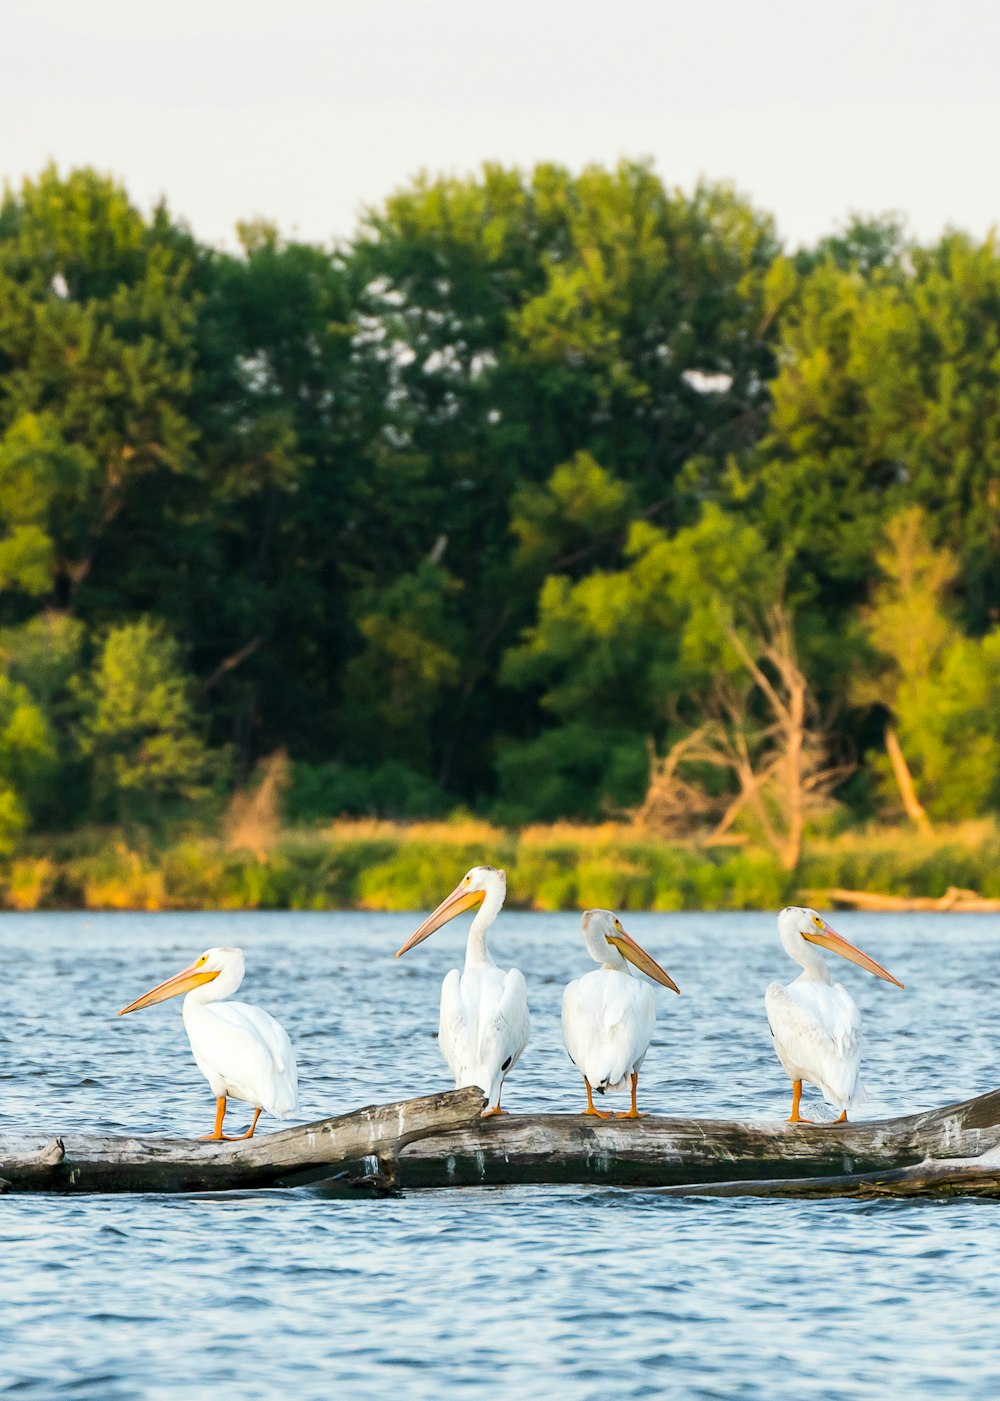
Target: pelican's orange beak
460	900
829	939
183	981
638	956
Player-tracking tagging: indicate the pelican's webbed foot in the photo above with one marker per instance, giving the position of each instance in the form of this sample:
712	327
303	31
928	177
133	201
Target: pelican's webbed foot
590	1110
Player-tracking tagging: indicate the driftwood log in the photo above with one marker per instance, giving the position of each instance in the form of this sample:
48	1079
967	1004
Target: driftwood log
358	1149
705	1156
934	1177
440	1141
954	901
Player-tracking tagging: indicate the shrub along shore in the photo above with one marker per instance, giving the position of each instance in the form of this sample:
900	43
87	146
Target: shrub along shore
386	866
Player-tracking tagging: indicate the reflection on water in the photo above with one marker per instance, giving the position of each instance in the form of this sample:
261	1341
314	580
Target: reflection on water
514	1290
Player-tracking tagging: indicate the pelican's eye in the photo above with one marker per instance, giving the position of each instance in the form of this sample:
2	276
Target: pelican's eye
203	959
618	926
817	921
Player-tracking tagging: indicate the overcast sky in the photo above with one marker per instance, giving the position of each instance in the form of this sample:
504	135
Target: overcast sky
303	111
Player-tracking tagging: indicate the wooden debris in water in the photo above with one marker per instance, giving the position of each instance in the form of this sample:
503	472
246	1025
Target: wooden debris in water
689	1153
364	1143
441	1141
955	900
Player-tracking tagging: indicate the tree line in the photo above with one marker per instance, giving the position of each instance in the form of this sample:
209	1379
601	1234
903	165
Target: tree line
549	495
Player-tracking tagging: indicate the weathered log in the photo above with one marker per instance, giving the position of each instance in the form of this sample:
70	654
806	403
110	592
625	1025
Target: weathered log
367	1140
440	1141
661	1152
953	901
943	1177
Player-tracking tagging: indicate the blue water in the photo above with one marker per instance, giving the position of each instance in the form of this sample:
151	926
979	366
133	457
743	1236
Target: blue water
519	1292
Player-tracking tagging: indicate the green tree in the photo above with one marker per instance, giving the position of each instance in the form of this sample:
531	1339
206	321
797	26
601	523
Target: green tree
908	626
938	688
96	315
621	653
579	511
951	726
648	341
287	397
44	654
139	725
887	395
43	483
525	319
865	245
27	759
41	659
407	667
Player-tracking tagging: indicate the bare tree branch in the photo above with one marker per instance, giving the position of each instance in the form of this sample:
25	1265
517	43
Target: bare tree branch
230	663
766	732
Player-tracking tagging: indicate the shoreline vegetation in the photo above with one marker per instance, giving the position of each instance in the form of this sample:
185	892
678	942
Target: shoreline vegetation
386	866
548	497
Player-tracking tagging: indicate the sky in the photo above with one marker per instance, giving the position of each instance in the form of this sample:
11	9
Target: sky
304	112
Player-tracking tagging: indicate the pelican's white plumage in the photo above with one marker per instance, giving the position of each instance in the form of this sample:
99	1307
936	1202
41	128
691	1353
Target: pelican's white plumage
241	1050
817	1035
608	1016
816	1024
484	1023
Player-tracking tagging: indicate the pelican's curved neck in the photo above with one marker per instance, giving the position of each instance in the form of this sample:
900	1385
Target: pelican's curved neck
606	954
476	951
601	951
200	997
809	959
225	984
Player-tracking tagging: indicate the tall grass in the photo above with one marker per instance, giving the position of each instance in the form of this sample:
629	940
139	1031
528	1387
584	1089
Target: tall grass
385	866
903	862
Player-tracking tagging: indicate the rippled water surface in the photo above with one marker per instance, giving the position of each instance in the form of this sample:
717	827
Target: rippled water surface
523	1292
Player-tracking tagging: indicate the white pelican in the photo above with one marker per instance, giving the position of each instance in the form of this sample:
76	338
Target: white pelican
608	1016
816	1026
242	1052
484	1010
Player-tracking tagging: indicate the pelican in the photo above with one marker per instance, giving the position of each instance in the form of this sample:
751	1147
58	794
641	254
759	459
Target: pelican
608	1016
816	1026
242	1052
484	1010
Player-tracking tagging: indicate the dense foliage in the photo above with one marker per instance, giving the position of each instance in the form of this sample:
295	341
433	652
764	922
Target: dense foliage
493	506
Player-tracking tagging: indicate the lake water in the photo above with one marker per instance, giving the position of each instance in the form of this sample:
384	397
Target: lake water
520	1292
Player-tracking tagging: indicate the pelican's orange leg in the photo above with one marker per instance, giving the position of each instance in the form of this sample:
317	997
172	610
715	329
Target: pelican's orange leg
249	1132
492	1113
795	1117
590	1103
632	1113
843	1117
220	1114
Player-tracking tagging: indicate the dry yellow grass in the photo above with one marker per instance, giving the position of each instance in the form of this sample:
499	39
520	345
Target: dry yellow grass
972	834
603	834
28	883
132	886
253	818
464	831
